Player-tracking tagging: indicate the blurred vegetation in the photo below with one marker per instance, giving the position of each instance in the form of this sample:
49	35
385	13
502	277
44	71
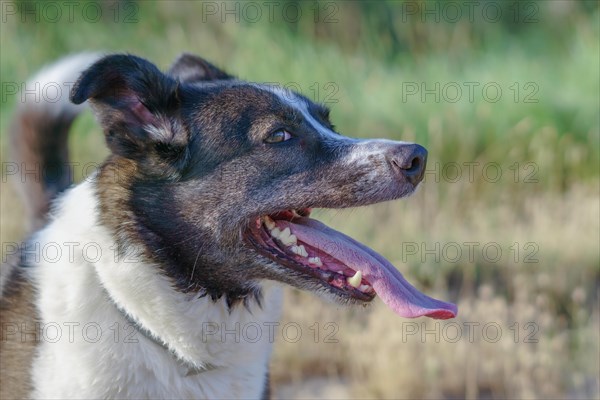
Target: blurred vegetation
543	133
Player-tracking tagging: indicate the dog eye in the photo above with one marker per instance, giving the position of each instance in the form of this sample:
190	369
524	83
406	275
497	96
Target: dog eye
278	136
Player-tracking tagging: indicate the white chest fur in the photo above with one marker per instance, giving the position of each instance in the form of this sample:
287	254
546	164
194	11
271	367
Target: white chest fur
89	349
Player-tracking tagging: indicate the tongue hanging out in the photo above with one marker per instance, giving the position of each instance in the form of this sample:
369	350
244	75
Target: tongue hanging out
345	255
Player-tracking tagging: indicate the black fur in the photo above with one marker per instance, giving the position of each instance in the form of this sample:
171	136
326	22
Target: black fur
191	169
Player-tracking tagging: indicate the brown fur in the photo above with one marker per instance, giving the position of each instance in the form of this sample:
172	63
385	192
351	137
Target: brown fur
40	143
20	335
192	167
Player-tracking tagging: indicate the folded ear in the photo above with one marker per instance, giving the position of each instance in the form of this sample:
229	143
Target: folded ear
135	102
190	68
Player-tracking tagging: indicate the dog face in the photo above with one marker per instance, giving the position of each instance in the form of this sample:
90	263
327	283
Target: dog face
213	179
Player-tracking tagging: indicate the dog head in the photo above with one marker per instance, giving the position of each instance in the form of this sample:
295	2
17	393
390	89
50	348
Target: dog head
214	178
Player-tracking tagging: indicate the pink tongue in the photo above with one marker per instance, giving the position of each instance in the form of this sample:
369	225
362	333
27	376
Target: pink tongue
388	282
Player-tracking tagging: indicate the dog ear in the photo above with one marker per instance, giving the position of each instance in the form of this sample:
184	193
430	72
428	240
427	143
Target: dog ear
190	68
135	103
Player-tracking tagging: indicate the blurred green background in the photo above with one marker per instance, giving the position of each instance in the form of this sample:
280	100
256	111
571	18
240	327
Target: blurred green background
506	97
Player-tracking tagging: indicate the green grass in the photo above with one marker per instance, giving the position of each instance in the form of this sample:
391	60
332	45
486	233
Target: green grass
370	92
358	63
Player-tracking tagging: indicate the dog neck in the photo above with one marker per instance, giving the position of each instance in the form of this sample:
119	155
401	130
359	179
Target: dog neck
153	332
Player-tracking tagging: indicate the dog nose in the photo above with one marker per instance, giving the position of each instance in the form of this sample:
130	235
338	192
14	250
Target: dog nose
408	161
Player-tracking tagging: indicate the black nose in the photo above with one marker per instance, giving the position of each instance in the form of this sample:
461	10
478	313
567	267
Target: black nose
408	161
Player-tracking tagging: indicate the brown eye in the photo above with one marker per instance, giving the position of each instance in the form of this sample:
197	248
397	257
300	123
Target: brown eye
278	136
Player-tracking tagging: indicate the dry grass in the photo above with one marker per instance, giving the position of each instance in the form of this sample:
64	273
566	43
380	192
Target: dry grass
379	355
551	357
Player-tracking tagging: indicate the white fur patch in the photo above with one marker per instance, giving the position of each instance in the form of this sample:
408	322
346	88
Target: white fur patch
50	87
289	97
88	348
362	150
365	149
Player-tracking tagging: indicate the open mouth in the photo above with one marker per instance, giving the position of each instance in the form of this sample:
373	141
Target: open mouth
349	268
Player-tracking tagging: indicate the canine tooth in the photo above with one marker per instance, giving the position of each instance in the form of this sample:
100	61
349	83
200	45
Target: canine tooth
276	233
269	223
316	261
364	288
355	280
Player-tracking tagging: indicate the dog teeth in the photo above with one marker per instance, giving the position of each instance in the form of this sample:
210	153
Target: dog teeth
291	240
355	280
287	238
364	288
304	253
300	250
284	235
316	261
269	223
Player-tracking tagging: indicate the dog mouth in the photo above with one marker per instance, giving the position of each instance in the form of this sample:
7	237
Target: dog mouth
346	267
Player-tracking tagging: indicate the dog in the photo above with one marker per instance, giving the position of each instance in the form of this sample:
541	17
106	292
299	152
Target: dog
197	218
